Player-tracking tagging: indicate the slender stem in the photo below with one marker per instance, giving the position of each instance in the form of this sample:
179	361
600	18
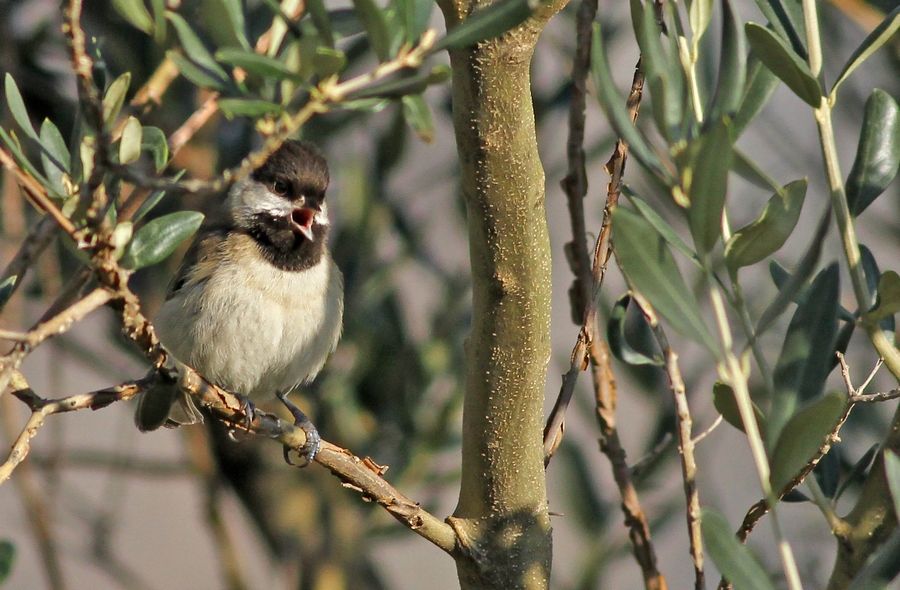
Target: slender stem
733	374
813	42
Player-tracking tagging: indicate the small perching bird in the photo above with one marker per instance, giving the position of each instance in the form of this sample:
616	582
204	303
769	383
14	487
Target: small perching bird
257	304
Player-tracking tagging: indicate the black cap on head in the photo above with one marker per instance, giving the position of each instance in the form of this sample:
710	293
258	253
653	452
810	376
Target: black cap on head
299	165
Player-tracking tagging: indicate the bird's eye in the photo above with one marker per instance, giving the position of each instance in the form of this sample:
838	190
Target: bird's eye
280	187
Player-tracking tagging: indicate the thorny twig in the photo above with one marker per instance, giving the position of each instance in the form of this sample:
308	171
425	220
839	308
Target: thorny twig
590	349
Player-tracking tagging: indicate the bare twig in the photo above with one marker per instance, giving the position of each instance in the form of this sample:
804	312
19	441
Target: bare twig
34	243
36	192
685	441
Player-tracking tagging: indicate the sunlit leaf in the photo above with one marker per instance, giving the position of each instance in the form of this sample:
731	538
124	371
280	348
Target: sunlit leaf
130	144
803	435
878	152
770	231
888	297
328	61
733	558
154	141
115	97
652	271
155	241
135	13
54	156
194	47
784	63
17	107
872	43
892	474
247	107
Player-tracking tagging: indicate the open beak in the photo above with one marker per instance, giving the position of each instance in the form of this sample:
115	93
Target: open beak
302	220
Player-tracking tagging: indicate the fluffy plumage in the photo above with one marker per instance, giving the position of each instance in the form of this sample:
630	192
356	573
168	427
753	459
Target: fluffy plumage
258	302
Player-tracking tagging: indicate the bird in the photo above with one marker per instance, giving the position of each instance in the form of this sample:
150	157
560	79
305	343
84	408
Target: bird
257	304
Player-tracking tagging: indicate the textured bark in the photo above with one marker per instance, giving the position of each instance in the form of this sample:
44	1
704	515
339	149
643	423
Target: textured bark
501	518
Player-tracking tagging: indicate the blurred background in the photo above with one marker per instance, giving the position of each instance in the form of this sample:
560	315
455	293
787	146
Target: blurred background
99	505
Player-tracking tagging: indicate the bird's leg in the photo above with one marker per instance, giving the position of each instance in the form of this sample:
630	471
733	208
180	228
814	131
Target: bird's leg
313	440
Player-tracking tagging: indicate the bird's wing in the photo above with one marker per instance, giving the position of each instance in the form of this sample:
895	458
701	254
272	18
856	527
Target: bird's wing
200	260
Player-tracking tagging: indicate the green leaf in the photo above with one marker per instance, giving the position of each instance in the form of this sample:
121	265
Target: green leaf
404	85
652	271
130	144
614	106
194	47
770	231
154	141
54	156
195	74
892	473
235	14
415	15
154	242
418	115
7	557
784	63
328	61
375	21
878	153
803	435
321	21
707	184
888	297
804	362
6	289
699	16
667	103
804	270
760	85
247	107
732	65
733	558
154	198
486	23
17	107
12	142
872	43
256	64
135	13
618	341
747	169
726	405
159	20
115	98
661	226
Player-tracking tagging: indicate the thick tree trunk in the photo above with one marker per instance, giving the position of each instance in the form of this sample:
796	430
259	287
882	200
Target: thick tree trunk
501	519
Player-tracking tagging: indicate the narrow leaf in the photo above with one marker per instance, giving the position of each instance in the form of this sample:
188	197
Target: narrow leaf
321	20
732	64
872	43
892	473
17	107
784	63
235	13
707	185
804	362
661	226
803	435
153	200
135	13
699	17
7	557
115	98
415	15
54	156
194	73
618	341
328	61
761	83
878	152
402	86
6	289
130	144
194	47
254	63
418	115
374	20
770	231
154	242
248	107
486	23
750	171
734	559
614	106
652	271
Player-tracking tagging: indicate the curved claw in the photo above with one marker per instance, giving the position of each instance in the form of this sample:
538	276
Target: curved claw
313	440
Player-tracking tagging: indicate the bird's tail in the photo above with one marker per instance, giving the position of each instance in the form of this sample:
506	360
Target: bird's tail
165	404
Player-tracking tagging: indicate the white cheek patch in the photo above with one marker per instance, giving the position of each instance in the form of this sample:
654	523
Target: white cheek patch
248	198
322	215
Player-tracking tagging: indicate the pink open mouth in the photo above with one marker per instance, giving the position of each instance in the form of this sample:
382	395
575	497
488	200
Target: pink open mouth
302	220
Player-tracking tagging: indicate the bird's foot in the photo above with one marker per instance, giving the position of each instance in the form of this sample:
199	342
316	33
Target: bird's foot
313	440
248	411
